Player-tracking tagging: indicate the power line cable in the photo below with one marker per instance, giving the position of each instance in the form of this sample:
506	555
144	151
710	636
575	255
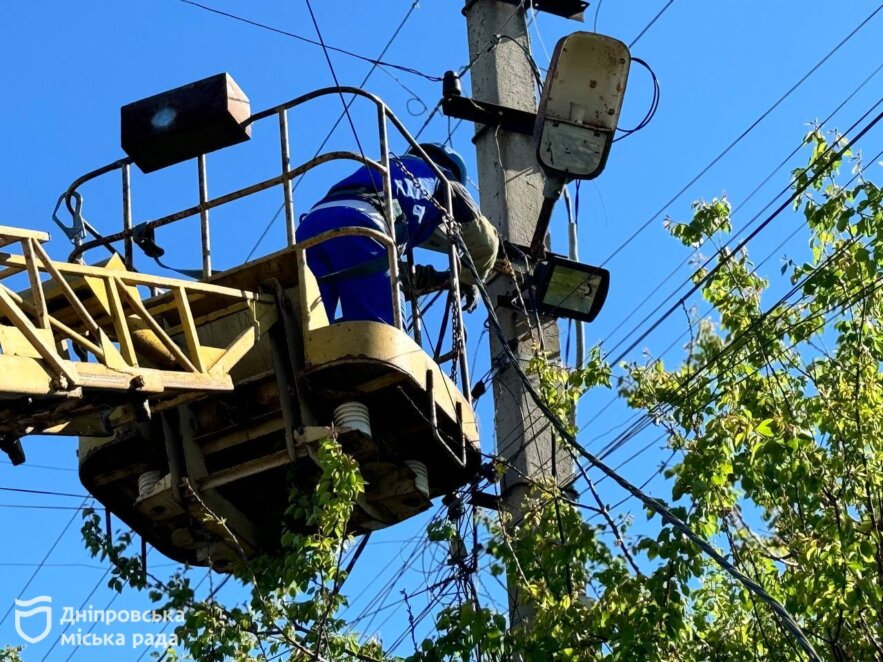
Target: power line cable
342	116
20	506
195	588
744	201
43	561
30	465
697	284
730	347
346	108
771	253
406	564
741	136
22	490
82	606
597	13
307	40
650	24
734	343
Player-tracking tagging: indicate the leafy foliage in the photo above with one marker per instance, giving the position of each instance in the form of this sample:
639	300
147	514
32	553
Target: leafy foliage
780	431
10	654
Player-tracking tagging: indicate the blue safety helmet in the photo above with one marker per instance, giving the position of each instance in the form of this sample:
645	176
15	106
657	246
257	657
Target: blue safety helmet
445	157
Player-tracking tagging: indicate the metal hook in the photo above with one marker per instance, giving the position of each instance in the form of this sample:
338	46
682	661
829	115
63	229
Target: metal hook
77	231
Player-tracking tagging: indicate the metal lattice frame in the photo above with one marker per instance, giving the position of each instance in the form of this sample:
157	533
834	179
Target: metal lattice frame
99	313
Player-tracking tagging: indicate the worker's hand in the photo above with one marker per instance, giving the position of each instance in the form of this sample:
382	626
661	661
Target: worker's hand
427	279
470	296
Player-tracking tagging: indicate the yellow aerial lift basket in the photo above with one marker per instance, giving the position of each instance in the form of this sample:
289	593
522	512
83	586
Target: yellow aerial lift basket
199	403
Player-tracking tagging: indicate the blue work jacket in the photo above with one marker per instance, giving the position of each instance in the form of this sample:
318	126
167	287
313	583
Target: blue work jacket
414	192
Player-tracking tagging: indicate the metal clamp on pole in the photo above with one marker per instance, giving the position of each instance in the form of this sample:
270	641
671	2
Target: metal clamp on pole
454	104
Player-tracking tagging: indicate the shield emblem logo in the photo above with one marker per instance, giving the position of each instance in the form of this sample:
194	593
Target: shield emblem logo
36	607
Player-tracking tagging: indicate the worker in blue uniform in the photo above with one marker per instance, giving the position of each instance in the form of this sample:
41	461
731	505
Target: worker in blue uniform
354	271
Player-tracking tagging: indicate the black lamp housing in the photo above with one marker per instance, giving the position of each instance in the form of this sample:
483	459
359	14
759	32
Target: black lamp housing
569	289
182	123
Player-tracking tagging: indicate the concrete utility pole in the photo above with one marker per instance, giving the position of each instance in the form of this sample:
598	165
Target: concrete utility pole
511	188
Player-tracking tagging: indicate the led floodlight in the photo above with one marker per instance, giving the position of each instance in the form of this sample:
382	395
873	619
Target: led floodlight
569	289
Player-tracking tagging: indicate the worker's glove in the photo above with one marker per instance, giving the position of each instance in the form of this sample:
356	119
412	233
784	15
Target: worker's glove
470	296
426	279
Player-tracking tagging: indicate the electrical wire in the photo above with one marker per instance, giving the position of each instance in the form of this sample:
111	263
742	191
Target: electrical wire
634	309
741	136
648	418
82	606
213	592
701	276
45	559
654	103
735	341
342	116
19	506
346	108
699	282
29	465
21	490
380	596
307	40
597	13
650	24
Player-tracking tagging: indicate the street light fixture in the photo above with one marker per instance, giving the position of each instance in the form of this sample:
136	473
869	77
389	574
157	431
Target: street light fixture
181	124
569	289
578	114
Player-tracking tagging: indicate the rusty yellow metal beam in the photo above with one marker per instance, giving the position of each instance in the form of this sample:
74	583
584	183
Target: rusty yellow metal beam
59	368
10	235
246	340
188	327
103	312
154	326
120	322
137	279
42	312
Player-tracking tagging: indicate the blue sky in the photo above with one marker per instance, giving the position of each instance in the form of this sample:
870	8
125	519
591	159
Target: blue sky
721	66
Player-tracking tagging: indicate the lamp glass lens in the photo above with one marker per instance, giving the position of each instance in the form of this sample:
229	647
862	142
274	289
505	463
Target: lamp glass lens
571	289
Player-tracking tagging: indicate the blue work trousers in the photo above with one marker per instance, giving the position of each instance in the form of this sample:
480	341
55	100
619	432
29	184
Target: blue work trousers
365	297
